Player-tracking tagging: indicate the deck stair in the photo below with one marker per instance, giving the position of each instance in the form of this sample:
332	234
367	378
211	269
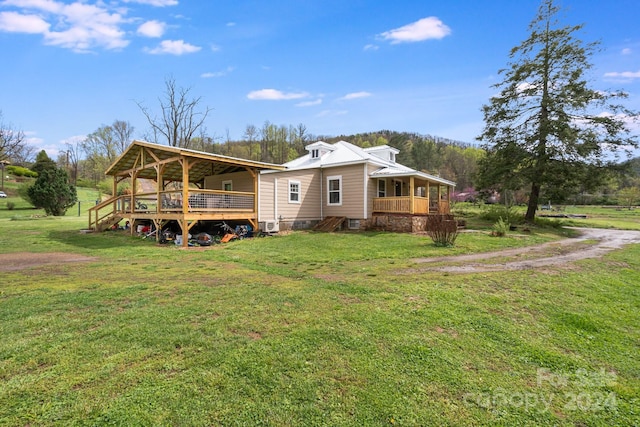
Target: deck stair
108	222
330	223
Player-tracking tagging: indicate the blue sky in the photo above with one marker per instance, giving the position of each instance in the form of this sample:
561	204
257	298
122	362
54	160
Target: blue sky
336	66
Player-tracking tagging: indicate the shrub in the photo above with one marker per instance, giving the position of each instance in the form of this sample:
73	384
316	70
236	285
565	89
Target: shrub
443	229
507	213
11	206
21	171
500	228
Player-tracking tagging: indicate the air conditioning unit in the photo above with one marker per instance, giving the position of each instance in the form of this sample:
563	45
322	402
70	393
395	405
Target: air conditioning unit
271	226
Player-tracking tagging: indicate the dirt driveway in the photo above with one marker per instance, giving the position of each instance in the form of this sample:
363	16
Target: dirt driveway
23	260
549	254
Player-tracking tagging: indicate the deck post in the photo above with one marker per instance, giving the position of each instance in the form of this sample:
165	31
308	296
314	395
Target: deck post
185	200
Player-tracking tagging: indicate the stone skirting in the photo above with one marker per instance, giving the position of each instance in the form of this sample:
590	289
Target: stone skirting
399	223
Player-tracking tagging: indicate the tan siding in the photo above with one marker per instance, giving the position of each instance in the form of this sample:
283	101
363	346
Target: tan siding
352	191
372	190
265	210
241	181
309	206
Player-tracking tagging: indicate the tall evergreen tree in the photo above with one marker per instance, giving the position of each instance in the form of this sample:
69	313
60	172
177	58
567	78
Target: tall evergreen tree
547	129
52	192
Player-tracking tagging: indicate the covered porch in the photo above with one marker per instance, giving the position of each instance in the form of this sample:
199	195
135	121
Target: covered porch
414	194
183	192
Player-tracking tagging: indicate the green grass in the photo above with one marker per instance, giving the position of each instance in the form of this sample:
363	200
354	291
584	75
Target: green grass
311	329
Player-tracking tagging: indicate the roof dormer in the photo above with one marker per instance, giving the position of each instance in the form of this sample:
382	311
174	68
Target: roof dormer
319	149
383	152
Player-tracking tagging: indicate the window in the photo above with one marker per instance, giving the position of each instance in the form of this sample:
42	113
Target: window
392	157
315	153
294	191
354	224
334	190
227	185
382	188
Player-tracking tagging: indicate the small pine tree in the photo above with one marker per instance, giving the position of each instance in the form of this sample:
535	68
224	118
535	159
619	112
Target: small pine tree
52	192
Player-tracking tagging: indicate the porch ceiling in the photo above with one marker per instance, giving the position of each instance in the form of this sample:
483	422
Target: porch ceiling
142	156
396	173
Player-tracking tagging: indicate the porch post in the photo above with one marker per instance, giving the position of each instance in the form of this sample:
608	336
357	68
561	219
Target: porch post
185	201
428	194
439	198
412	195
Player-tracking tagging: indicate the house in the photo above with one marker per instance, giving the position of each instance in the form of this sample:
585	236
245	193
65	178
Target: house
365	187
189	187
362	188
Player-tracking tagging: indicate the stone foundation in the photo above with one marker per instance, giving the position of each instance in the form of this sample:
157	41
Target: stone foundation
399	223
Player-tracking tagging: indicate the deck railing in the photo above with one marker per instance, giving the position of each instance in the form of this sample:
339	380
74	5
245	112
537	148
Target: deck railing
200	201
401	204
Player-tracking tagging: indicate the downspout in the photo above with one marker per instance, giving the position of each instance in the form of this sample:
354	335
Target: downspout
275	199
258	195
321	193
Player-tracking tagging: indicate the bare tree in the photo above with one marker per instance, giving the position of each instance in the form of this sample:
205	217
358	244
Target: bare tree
250	133
180	119
12	141
73	153
123	133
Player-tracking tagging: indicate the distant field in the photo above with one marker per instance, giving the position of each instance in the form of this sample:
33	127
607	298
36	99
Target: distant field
309	329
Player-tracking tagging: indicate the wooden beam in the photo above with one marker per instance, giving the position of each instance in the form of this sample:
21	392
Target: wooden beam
185	200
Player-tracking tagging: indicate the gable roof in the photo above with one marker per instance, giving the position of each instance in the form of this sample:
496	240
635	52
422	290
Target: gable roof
141	154
344	153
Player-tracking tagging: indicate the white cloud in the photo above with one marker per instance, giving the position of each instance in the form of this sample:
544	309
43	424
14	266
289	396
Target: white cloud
50	6
152	29
13	22
309	103
626	51
275	95
173	47
231	24
157	3
77	26
355	95
424	29
217	73
371	47
624	74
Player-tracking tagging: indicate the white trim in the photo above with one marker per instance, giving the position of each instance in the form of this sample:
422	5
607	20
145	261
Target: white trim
334	178
298	193
365	203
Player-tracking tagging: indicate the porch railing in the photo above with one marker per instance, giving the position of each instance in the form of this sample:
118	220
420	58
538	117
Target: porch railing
401	205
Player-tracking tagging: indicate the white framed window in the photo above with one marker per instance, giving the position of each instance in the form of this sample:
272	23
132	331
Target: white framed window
392	157
334	190
382	188
354	224
315	153
294	191
227	185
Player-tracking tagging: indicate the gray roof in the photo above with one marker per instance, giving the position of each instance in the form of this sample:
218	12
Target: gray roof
344	153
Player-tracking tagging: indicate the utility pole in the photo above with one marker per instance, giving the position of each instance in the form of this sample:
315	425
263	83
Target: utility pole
2	164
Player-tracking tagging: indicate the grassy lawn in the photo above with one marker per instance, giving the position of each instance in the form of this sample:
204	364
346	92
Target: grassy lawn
310	329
